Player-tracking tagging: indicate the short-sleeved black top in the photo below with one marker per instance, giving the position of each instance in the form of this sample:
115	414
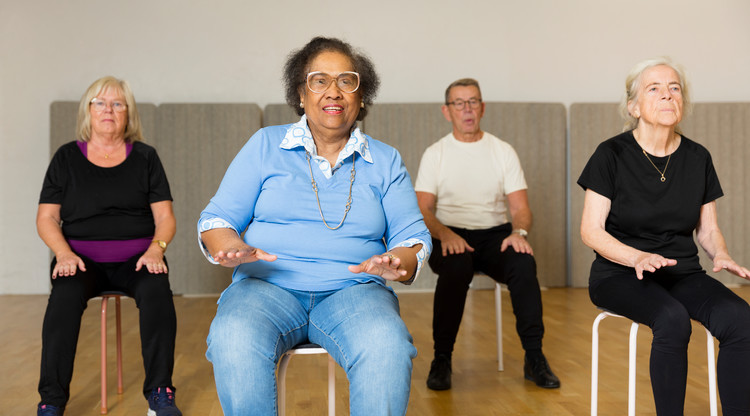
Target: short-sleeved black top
647	214
105	203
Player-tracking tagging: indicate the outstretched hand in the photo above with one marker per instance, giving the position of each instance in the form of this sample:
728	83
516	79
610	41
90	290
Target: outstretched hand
650	262
234	256
385	265
726	263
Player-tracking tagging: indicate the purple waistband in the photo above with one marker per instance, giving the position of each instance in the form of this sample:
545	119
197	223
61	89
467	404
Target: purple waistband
110	251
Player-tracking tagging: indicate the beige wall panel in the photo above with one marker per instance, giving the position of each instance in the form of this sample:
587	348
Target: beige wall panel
196	143
275	114
63	115
724	129
537	131
590	124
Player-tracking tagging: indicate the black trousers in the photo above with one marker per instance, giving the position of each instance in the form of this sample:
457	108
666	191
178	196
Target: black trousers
666	303
455	272
62	323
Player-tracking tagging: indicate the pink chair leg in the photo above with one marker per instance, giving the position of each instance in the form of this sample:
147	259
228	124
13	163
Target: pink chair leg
119	347
104	355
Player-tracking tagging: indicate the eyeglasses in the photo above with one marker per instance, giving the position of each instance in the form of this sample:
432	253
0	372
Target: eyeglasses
459	104
101	105
318	82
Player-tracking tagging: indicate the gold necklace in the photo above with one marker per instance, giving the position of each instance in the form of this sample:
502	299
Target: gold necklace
657	169
315	188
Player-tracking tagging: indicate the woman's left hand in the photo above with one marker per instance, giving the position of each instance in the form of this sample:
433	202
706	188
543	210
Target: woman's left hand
385	265
153	259
726	263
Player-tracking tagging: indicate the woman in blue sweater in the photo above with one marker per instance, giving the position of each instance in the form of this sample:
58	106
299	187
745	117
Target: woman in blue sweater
329	215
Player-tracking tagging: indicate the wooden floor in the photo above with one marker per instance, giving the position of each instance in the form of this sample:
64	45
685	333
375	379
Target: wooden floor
478	388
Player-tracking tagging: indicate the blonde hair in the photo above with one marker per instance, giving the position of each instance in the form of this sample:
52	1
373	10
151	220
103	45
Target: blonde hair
633	82
83	125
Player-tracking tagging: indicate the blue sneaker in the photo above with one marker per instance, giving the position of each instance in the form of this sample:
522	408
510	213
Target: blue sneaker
161	402
48	410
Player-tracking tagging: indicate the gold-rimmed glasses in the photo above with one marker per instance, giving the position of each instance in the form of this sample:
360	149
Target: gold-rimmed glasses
318	82
459	104
101	105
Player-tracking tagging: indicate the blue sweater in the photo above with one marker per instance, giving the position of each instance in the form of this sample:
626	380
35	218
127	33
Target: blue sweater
267	193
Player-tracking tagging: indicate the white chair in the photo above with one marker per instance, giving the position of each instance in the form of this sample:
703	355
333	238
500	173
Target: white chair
631	366
284	363
118	335
499	323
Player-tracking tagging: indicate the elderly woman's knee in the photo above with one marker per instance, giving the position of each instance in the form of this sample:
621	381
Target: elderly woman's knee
673	324
731	320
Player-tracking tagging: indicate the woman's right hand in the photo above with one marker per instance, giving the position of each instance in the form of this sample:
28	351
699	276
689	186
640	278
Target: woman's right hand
67	265
241	253
650	262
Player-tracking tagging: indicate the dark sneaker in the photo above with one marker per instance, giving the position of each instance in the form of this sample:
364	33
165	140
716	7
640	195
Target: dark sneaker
440	373
537	370
48	410
161	403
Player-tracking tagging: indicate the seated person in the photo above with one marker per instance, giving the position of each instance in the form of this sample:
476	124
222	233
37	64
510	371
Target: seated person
319	243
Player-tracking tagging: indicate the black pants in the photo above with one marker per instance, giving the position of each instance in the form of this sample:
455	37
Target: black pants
455	272
666	303
62	323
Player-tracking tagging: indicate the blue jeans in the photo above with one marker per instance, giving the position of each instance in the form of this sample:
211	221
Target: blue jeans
360	326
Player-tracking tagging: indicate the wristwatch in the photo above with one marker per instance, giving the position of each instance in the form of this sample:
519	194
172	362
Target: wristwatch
520	231
162	244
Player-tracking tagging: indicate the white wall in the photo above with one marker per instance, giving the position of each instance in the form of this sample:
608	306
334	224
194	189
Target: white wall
233	51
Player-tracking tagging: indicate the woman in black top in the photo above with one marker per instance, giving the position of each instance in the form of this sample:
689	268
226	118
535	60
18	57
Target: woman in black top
105	211
647	190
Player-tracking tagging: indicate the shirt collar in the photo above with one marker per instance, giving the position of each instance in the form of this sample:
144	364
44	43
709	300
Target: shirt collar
299	135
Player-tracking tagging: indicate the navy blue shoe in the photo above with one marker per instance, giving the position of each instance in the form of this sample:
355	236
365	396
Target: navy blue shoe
161	402
48	410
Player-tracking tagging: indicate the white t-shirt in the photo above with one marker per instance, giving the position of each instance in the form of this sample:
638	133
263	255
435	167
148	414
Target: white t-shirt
470	180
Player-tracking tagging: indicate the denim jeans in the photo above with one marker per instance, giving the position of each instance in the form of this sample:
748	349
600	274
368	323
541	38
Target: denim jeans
360	326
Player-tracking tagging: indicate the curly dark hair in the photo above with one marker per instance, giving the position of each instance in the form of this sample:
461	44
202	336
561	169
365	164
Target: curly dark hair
297	65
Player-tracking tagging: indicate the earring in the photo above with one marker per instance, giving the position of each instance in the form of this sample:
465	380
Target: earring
361	104
301	104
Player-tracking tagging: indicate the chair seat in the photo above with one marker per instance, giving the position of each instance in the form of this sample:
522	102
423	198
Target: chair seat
306	349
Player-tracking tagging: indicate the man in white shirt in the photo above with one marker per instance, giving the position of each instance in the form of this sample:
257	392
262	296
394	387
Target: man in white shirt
463	182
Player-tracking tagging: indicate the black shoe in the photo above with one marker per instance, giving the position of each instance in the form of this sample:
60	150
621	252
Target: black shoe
440	373
537	370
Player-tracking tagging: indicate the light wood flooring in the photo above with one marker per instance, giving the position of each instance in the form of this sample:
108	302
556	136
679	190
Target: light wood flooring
478	388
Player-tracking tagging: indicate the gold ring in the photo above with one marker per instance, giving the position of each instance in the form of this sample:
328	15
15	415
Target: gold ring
391	256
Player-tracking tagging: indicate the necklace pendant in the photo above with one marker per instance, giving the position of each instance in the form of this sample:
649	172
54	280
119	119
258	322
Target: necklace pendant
663	178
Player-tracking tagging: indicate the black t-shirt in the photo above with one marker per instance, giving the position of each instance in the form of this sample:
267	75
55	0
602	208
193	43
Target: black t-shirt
647	214
105	203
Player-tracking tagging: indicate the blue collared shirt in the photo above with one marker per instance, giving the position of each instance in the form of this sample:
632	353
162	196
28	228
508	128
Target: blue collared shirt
267	193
